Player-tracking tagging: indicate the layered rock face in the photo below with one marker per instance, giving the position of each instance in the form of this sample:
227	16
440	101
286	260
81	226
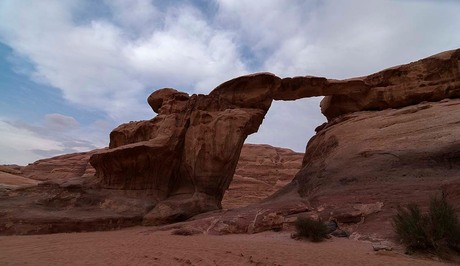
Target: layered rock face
420	141
261	171
187	154
385	158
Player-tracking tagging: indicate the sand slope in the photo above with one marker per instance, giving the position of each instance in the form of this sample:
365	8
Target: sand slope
11	181
142	246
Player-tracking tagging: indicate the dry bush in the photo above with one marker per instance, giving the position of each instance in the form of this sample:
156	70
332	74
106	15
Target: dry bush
311	229
438	230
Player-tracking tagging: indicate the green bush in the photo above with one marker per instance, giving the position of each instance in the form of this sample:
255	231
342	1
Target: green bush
307	228
437	230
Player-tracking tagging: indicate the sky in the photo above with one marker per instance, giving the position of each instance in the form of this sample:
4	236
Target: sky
72	70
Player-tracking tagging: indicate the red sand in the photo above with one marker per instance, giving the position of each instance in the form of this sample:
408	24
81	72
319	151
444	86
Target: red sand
142	246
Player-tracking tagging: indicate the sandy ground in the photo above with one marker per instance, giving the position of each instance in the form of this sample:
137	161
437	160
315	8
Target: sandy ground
142	246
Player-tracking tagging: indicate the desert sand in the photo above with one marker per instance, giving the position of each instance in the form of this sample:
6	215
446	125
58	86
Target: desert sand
144	246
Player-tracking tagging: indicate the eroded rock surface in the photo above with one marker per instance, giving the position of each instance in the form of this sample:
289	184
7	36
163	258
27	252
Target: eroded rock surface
357	170
394	156
431	79
188	153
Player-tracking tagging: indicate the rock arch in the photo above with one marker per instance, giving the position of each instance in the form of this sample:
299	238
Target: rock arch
187	154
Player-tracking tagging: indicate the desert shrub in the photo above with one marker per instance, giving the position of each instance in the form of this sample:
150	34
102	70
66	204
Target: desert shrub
311	229
436	230
444	225
410	226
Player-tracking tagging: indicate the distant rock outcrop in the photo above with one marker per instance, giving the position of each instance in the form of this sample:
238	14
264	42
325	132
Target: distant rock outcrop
261	171
60	169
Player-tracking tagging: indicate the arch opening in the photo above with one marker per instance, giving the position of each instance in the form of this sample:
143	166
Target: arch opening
272	156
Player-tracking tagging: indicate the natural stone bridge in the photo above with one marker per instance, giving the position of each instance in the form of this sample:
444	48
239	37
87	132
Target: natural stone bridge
186	155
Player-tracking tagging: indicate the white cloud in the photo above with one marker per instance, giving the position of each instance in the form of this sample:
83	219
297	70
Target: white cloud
265	25
60	122
187	53
139	16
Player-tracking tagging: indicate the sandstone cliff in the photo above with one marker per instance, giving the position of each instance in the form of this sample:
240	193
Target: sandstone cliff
390	157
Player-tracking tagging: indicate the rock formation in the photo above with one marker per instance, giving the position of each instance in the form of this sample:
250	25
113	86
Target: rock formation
431	79
187	154
392	157
391	137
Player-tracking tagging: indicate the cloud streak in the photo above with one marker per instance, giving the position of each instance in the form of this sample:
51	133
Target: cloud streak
18	143
60	122
22	142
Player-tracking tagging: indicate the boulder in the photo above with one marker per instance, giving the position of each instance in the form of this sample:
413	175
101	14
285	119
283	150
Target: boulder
383	245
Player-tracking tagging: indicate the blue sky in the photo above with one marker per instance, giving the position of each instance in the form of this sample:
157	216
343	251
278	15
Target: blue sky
72	70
